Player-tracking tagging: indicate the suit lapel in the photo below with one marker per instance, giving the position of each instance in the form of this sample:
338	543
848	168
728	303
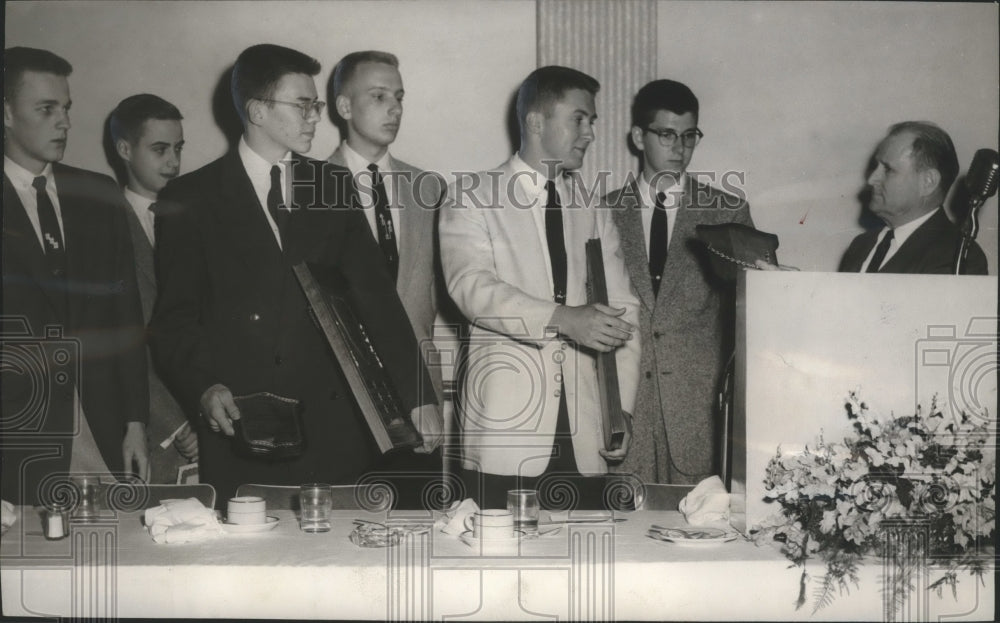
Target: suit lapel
676	269
634	242
407	238
911	254
144	269
21	245
241	216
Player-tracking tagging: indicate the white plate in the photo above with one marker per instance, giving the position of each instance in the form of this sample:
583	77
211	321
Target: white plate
692	536
250	528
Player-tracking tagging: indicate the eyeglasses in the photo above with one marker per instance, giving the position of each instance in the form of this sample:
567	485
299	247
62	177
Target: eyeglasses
668	137
315	106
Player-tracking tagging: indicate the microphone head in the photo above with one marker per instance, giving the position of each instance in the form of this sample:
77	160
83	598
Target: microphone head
981	180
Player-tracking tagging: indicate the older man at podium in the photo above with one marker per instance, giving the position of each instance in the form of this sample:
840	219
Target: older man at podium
915	166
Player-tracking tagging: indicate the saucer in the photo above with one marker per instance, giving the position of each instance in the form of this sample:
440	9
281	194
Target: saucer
250	528
470	540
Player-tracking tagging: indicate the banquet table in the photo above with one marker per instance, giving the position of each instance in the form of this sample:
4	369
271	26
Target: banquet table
605	570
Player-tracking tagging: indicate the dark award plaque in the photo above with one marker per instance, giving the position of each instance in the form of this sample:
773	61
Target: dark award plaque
367	377
607	366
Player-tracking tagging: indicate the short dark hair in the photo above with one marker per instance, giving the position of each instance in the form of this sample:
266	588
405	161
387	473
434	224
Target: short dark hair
18	60
658	95
129	115
348	65
259	68
932	149
547	85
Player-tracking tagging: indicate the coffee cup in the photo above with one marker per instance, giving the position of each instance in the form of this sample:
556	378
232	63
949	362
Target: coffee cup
247	509
491	524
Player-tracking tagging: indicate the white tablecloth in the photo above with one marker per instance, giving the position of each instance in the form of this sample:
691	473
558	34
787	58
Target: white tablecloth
605	571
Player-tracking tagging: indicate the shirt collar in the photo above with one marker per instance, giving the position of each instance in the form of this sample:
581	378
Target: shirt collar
673	192
533	183
137	201
359	164
902	232
19	176
257	167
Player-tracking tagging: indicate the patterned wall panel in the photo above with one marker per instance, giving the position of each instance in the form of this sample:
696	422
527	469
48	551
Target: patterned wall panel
614	41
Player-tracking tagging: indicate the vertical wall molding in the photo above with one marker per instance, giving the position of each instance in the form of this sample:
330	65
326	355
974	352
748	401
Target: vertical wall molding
614	41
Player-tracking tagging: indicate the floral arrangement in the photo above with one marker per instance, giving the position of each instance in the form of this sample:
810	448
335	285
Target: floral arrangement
844	500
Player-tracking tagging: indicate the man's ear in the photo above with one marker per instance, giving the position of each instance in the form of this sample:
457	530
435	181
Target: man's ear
124	149
255	112
534	122
8	115
343	105
930	180
637	138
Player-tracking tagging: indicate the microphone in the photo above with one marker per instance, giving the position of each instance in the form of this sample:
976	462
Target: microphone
981	180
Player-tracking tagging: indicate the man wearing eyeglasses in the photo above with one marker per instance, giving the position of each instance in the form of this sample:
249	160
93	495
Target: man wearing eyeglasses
231	318
686	317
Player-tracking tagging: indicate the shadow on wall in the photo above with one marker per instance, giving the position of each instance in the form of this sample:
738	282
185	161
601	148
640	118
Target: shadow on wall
513	125
224	111
111	154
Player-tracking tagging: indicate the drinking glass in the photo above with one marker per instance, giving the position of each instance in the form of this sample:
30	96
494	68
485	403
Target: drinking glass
523	504
315	504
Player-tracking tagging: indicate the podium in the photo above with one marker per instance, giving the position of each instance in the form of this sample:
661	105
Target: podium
805	340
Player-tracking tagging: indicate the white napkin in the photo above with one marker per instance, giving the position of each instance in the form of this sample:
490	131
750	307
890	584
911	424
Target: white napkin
453	521
182	521
708	502
7	515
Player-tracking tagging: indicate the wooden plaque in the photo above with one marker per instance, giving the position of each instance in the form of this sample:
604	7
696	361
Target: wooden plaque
367	377
607	365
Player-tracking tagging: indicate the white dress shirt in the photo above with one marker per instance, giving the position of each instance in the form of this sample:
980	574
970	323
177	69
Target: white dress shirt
899	236
358	165
140	205
530	193
259	171
21	179
647	195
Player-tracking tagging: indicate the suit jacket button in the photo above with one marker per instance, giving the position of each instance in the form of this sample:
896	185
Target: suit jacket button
557	393
649	374
255	316
277	360
657	334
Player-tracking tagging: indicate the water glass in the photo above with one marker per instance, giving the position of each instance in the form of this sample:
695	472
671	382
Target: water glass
315	504
523	505
89	505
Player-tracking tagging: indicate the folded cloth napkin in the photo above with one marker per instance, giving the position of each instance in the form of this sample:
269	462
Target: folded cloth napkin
453	521
7	515
707	503
182	521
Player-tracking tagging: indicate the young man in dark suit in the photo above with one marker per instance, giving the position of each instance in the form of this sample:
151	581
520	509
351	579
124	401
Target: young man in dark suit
72	322
148	138
231	318
915	165
686	316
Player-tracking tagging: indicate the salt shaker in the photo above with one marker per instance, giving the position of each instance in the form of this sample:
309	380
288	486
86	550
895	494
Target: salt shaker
56	524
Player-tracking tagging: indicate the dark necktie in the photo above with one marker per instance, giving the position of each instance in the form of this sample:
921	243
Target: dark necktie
557	243
658	243
274	202
880	251
52	240
154	209
385	232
